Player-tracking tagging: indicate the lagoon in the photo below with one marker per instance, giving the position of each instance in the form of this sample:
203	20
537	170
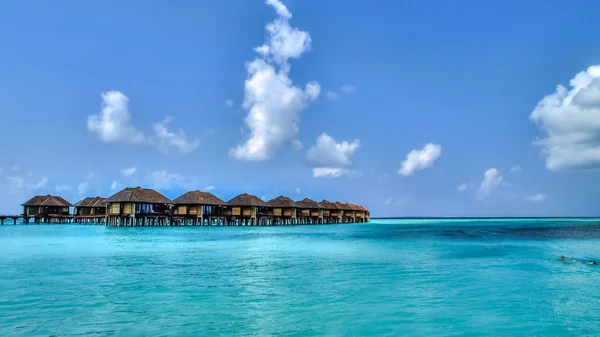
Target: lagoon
389	277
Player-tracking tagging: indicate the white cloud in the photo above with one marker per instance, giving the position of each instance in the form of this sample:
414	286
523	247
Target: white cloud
24	181
388	201
420	159
114	186
298	190
326	152
40	183
537	198
348	89
333	172
332	95
491	180
82	187
462	187
128	172
330	158
570	120
209	188
165	180
515	169
60	188
169	142
272	100
113	123
229	103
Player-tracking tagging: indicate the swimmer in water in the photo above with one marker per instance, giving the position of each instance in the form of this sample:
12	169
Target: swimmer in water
591	262
562	257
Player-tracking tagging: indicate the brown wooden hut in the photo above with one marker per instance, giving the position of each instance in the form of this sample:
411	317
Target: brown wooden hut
247	209
282	210
47	208
329	212
199	208
339	211
349	213
136	206
310	211
90	210
366	215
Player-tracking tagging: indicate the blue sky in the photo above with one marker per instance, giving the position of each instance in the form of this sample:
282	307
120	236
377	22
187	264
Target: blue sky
306	98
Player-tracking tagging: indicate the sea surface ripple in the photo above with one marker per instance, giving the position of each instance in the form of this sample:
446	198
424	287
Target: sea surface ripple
437	277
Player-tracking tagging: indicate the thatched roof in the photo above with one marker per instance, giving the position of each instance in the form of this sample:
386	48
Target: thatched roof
282	202
308	203
199	198
247	200
48	201
91	202
327	205
139	195
349	207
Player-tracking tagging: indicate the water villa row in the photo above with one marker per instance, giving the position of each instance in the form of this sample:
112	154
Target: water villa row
146	207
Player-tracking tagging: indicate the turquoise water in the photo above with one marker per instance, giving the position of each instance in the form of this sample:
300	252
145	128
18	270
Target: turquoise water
388	277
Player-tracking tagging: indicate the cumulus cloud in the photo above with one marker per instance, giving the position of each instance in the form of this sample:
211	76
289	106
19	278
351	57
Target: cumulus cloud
420	159
515	169
229	103
172	142
272	100
570	120
327	152
82	187
113	123
537	198
491	180
462	187
330	158
128	172
164	180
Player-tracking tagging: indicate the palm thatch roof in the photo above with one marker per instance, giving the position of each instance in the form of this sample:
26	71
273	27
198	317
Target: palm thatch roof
91	202
247	200
282	202
139	195
308	203
47	201
199	198
327	205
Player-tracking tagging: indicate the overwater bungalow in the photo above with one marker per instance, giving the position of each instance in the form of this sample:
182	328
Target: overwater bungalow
199	208
47	208
136	206
349	213
247	209
310	212
339	211
329	212
282	210
90	210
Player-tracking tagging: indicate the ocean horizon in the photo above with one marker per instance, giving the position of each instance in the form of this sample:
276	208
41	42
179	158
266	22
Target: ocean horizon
387	277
